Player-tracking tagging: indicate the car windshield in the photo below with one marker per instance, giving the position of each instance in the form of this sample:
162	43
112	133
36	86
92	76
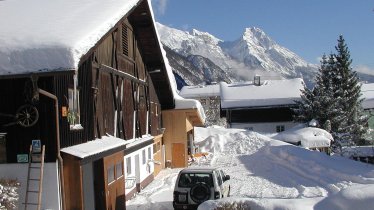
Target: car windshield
190	179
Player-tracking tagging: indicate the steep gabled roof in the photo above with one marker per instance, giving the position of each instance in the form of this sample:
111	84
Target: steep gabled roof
270	93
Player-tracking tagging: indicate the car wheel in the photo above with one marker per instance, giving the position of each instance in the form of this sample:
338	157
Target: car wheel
200	192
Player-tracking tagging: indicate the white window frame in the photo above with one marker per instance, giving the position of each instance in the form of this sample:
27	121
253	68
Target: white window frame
74	109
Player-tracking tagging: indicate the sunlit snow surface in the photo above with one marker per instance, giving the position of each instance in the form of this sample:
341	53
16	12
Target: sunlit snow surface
270	174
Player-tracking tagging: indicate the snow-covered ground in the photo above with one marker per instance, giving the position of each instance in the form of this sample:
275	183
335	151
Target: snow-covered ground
270	174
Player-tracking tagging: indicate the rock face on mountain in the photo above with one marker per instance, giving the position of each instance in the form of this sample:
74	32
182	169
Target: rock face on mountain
199	57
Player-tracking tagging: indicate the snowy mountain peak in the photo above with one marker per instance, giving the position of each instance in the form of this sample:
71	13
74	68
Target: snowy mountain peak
257	36
205	36
253	53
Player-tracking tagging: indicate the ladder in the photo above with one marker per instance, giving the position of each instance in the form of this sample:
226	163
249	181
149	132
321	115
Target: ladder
35	178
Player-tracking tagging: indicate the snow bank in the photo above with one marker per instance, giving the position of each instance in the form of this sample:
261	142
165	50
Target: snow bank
358	197
271	174
267	171
264	204
228	141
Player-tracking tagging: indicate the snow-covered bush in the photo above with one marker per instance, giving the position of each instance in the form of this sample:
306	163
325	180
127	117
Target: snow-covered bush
8	194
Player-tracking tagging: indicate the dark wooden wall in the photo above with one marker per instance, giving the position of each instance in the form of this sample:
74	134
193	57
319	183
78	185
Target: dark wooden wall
279	114
19	138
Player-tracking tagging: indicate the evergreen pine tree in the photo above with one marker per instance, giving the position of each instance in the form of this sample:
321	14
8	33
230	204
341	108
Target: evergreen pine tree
350	92
335	100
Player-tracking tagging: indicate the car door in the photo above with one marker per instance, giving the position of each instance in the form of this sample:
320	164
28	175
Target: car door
220	183
225	185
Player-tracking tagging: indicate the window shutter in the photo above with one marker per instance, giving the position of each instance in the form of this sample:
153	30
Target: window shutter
125	40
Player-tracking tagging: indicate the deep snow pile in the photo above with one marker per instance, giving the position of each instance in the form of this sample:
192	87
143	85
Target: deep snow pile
269	174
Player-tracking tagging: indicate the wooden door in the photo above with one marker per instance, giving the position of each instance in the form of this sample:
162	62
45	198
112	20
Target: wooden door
114	182
178	155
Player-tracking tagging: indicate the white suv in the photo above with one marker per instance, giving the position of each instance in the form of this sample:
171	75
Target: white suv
196	184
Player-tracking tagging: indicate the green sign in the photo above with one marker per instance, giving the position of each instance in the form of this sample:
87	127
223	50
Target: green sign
22	158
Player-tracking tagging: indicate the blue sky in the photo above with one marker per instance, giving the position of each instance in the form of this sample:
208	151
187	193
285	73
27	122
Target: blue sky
309	28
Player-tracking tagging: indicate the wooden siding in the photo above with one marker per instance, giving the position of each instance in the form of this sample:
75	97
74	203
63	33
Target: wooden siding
176	132
73	183
157	154
119	102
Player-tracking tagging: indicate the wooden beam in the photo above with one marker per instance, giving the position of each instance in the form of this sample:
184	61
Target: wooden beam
114	71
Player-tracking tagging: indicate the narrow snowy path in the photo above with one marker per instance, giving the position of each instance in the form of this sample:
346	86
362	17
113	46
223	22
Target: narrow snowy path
157	195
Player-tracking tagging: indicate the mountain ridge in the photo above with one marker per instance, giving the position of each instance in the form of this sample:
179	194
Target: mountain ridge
198	57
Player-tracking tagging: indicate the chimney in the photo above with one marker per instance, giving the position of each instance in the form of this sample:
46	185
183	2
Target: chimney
257	80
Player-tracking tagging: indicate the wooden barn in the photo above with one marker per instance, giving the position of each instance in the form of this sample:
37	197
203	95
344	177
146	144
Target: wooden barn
88	80
261	106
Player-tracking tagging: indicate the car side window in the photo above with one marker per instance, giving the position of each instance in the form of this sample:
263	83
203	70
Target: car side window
222	175
219	178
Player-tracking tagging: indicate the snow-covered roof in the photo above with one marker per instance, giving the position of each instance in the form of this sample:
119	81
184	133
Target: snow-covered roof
270	93
367	91
200	91
98	146
309	137
45	35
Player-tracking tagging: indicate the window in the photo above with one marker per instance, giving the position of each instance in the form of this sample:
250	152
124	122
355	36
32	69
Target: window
119	170
128	165
223	175
191	179
219	179
143	156
149	153
73	110
280	128
110	174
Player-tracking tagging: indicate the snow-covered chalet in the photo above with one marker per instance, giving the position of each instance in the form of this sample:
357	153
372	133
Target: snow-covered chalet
87	84
261	106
